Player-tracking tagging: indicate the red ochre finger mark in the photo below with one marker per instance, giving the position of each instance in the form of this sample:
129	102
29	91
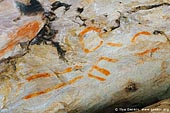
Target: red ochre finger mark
41	75
138	34
102	70
96	77
67	70
147	51
27	31
44	91
72	81
108	59
77	67
89	29
81	34
88	51
58	86
114	44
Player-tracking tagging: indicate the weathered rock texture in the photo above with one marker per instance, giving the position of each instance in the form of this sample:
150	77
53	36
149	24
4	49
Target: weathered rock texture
160	107
117	55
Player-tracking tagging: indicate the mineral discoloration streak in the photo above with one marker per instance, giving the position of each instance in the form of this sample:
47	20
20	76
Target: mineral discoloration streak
76	53
138	8
157	32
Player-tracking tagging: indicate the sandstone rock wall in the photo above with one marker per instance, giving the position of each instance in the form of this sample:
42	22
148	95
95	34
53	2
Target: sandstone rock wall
117	55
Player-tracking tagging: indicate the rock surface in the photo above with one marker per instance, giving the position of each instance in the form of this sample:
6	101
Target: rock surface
117	55
159	107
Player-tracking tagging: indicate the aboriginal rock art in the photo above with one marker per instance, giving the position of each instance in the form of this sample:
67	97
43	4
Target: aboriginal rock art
82	56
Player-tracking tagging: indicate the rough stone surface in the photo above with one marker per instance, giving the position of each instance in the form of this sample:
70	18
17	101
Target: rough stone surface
117	55
159	107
